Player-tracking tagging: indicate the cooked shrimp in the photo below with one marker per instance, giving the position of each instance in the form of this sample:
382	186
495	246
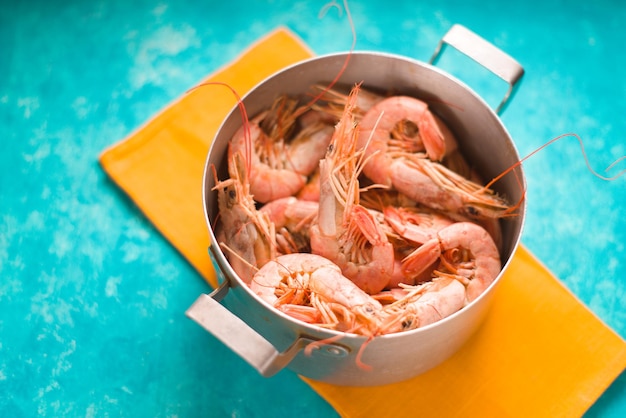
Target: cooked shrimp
304	284
283	154
403	142
465	250
402	124
292	219
425	304
416	224
437	187
346	232
291	212
247	235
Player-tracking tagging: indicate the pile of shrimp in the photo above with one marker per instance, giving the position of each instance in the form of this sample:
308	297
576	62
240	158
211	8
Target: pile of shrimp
357	213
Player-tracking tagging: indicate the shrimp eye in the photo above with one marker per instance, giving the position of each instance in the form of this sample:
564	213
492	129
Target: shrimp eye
472	211
232	194
331	147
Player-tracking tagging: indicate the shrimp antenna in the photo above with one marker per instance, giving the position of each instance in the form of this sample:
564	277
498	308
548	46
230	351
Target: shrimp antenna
322	13
582	148
244	117
327	7
614	163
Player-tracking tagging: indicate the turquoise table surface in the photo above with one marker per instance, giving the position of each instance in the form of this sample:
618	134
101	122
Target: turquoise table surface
92	297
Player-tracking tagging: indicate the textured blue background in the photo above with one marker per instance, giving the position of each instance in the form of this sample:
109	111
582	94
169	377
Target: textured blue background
92	297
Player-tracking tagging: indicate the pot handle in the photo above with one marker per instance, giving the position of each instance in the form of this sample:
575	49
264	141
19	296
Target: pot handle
485	54
237	335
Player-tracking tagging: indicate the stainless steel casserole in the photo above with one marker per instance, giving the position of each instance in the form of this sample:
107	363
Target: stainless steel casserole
270	340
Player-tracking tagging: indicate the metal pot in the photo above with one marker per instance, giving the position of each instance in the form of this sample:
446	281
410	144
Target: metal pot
270	340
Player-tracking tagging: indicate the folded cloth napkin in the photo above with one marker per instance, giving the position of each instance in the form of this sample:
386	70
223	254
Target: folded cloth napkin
539	353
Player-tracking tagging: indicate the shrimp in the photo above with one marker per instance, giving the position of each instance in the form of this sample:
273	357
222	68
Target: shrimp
291	212
246	233
346	232
407	225
416	224
404	142
312	288
282	154
376	201
433	185
405	124
419	224
466	252
425	304
292	219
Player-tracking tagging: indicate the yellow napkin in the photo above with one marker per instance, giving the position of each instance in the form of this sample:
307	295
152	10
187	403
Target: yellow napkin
540	352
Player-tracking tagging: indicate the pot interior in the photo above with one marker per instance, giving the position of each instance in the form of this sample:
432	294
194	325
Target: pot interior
482	138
